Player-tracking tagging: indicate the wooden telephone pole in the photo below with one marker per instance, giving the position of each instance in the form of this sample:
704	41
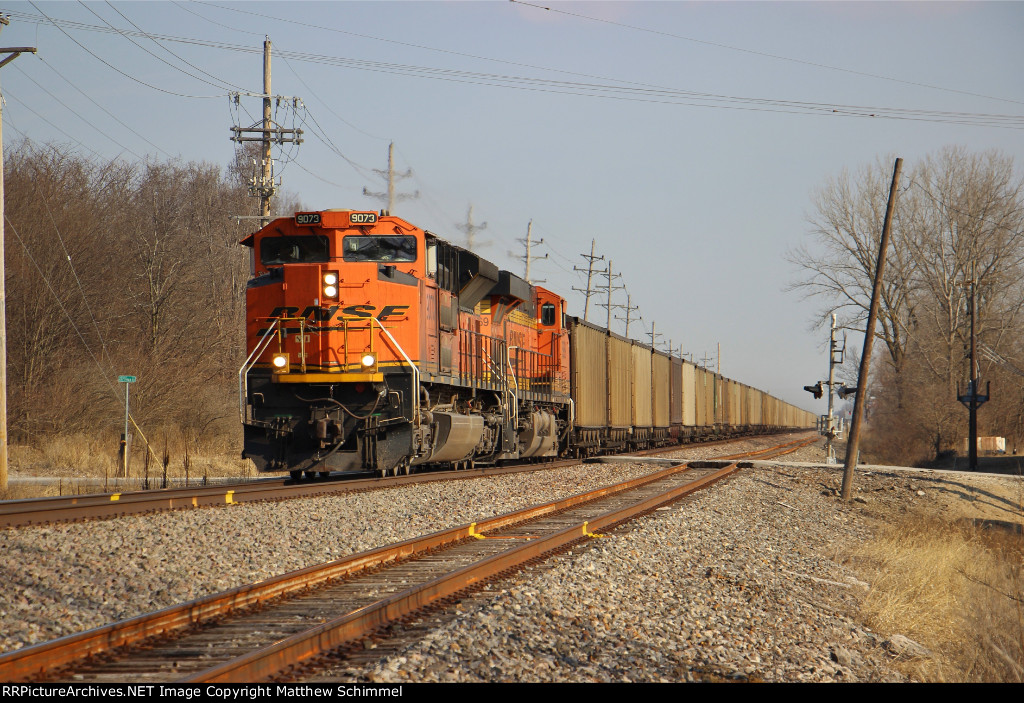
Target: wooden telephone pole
12	53
268	133
852	449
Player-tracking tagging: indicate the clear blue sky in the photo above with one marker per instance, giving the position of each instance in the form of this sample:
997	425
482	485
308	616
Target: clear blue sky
593	131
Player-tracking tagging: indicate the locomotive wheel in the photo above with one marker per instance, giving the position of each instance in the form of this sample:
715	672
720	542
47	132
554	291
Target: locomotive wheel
296	475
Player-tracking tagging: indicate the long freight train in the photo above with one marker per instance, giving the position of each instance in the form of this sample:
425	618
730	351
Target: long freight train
376	345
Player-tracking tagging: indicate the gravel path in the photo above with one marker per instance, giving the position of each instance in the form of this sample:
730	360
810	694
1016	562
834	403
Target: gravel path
745	581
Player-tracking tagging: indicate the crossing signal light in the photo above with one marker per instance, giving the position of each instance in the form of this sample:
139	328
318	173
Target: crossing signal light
815	390
844	391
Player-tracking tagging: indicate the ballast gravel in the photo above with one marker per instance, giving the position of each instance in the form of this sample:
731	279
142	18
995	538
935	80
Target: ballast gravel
741	582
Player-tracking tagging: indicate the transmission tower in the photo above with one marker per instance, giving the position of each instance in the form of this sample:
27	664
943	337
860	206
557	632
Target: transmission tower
629	308
609	288
590	275
654	335
470	229
390	197
530	257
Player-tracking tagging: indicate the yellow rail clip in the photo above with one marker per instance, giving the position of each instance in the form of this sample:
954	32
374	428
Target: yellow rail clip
115	496
590	534
229	497
474	533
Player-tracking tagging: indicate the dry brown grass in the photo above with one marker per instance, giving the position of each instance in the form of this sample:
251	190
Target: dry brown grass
70	459
955	587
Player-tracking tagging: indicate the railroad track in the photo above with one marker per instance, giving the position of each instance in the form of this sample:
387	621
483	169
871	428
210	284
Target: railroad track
264	630
41	511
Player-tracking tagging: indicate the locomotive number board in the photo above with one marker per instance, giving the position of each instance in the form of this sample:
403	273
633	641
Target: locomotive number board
309	219
362	218
335	219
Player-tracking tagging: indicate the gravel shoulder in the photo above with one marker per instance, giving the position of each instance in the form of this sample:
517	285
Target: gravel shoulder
747	581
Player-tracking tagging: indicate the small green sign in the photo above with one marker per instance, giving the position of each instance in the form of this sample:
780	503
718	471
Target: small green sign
126	379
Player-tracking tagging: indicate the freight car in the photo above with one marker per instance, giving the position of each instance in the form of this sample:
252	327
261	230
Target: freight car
375	345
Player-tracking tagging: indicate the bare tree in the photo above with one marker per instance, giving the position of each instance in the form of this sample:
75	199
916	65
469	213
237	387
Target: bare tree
840	264
959	218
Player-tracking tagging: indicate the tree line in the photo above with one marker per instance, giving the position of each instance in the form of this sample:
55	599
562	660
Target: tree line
120	268
959	217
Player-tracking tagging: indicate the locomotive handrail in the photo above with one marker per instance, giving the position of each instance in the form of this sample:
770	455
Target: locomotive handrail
243	373
415	373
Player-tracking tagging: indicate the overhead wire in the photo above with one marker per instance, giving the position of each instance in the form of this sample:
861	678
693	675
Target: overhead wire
75	112
636	93
765	54
8	94
105	110
179	58
115	68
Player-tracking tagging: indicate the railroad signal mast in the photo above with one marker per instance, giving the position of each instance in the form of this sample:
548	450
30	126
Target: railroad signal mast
972	399
828	426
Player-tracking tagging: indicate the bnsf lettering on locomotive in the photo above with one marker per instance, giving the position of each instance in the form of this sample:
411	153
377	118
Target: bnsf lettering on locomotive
392	311
322	314
359	310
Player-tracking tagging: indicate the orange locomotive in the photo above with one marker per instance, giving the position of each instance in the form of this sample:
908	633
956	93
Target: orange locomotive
376	345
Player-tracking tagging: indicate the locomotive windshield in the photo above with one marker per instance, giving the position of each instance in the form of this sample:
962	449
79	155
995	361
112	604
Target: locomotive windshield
305	249
379	248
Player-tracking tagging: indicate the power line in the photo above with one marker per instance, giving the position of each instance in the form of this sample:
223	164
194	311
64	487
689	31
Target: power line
76	113
115	68
161	60
763	53
105	110
656	95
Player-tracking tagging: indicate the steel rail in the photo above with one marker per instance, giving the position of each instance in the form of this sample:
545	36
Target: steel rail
35	511
44	659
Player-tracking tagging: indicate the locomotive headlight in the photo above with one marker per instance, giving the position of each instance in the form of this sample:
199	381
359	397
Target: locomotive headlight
369	361
281	363
330	279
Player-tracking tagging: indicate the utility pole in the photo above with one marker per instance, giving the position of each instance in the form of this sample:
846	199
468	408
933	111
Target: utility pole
391	196
852	445
470	229
269	132
719	359
609	276
654	335
529	248
12	53
590	273
629	308
704	360
973	400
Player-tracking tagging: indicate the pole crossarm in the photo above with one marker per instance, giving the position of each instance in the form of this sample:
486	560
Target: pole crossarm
15	52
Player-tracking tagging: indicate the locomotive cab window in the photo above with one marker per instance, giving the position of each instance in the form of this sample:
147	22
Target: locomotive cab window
306	249
379	248
547	314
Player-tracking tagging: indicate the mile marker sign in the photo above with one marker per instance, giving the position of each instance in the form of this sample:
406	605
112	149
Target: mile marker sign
126	379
